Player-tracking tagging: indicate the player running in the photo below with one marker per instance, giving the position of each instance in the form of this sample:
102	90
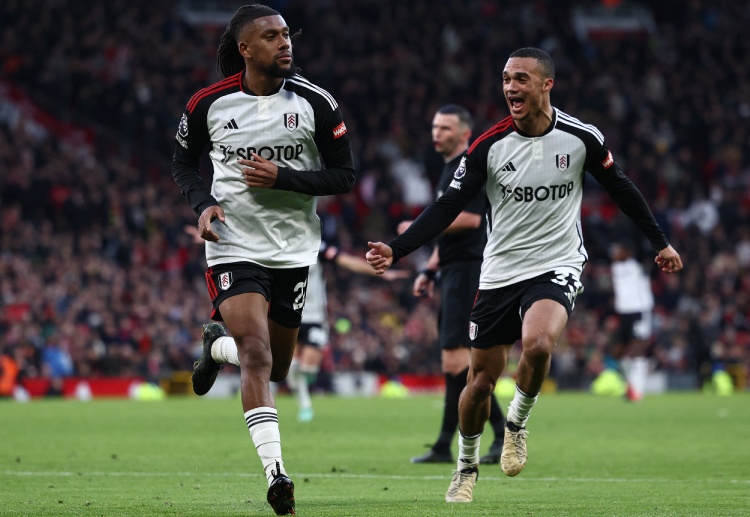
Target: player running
533	165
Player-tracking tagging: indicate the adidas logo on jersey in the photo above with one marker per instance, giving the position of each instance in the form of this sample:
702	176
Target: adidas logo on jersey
508	167
231	125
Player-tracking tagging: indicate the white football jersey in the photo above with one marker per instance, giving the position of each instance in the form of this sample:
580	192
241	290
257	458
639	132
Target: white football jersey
632	287
297	128
534	186
316	301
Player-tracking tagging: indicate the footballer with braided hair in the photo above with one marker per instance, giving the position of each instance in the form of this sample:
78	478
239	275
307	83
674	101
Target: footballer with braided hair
228	60
276	142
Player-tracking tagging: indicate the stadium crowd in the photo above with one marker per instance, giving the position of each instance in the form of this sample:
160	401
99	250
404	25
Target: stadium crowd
98	276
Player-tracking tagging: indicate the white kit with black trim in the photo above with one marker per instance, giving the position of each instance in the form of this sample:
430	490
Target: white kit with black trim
299	128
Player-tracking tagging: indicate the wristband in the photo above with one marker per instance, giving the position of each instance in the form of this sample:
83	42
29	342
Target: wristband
429	273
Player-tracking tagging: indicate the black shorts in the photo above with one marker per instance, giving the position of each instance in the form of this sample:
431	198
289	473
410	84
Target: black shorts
285	289
458	289
497	317
635	325
313	334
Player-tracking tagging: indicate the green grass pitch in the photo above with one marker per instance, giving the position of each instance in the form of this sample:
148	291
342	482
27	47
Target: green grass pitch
676	454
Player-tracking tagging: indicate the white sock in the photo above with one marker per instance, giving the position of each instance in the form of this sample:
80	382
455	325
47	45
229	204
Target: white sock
224	350
639	374
293	377
626	365
468	451
520	407
307	375
263	423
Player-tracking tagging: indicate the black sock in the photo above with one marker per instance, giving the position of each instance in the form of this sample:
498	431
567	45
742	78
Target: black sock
454	385
497	420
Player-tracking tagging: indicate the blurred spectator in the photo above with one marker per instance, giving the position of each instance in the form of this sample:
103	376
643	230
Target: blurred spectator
8	375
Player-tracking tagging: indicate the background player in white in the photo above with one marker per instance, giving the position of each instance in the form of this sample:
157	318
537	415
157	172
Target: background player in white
313	334
634	302
268	131
533	165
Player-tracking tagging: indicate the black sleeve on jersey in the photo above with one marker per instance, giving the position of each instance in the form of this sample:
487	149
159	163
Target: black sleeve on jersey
186	173
331	180
192	137
440	214
478	205
624	193
336	152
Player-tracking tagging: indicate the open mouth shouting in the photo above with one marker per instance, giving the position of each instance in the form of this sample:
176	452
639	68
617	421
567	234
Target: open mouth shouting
516	103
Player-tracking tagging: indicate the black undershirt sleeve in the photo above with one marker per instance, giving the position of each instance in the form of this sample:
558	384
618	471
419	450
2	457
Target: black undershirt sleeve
632	203
186	173
336	178
437	217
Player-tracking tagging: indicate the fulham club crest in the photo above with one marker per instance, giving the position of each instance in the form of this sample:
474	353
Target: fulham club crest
291	121
563	161
473	328
225	280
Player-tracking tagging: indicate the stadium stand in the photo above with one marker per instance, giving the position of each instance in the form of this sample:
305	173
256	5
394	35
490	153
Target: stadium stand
98	278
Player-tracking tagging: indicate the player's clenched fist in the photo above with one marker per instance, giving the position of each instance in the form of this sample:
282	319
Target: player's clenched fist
380	256
668	260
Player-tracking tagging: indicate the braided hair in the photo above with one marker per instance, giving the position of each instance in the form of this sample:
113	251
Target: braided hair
229	61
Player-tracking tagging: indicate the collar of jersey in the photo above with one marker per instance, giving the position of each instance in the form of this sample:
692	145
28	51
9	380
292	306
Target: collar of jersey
247	91
546	131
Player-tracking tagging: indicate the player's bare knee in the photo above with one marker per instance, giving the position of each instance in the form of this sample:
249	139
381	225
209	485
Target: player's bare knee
481	386
539	348
253	353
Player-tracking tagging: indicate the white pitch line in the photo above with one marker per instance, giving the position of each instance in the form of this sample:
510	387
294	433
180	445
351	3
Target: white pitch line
340	475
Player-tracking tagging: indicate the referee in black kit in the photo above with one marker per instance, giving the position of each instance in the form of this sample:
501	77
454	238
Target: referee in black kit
458	259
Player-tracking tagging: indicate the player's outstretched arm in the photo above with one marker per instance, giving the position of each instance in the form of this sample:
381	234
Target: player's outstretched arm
668	260
380	257
395	274
360	266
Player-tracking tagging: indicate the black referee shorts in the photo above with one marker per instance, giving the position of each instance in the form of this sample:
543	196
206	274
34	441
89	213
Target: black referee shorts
458	289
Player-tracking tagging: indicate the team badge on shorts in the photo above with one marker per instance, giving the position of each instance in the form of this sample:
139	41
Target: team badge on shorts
563	160
291	121
225	280
473	328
